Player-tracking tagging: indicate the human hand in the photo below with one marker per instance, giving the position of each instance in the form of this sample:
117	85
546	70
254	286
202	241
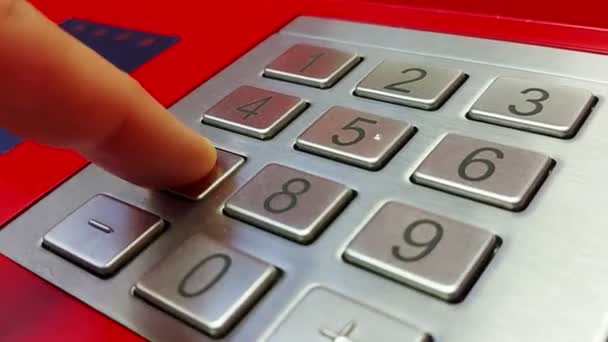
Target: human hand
57	91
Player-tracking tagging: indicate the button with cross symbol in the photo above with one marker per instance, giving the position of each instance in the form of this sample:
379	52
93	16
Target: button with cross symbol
324	315
255	112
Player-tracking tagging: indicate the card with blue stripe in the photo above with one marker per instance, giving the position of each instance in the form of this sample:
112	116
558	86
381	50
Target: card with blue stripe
125	48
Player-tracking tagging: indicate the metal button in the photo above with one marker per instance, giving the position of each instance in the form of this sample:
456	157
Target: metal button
538	107
206	284
324	315
358	138
488	172
315	66
254	112
426	251
225	165
103	234
414	85
289	202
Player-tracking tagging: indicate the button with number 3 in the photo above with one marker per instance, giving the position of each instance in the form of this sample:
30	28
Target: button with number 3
500	175
358	138
427	251
289	202
413	85
550	109
254	112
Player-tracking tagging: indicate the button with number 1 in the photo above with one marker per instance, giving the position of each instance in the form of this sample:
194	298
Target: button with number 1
255	112
289	202
311	65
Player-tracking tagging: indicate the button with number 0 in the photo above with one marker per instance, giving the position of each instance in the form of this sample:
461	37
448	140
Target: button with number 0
414	85
254	112
289	202
311	65
427	251
362	139
538	107
488	172
206	284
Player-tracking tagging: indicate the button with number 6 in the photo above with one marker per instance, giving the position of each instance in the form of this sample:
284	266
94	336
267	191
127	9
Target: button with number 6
289	202
538	107
496	174
427	251
358	138
255	112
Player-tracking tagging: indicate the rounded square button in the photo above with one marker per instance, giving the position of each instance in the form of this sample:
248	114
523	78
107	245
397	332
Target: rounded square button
538	107
413	85
254	112
206	284
354	137
103	234
349	321
426	251
289	202
315	66
500	175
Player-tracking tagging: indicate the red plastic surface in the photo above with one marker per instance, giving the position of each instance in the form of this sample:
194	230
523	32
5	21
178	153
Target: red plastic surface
213	35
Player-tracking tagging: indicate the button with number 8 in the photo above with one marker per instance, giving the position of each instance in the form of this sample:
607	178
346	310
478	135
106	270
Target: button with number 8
254	112
500	175
289	202
427	251
414	85
358	138
538	107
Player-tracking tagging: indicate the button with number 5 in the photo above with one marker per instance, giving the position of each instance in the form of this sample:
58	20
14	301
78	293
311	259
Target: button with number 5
427	251
550	109
289	202
496	174
414	85
362	139
254	112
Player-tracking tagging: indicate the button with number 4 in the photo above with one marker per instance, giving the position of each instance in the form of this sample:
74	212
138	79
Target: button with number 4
488	172
414	85
289	202
427	251
254	112
362	139
550	109
315	66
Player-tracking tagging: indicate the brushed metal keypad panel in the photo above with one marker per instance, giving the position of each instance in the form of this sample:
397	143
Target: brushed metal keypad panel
553	252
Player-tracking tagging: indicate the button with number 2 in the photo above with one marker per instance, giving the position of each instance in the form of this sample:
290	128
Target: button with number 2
550	109
413	85
289	202
254	112
423	250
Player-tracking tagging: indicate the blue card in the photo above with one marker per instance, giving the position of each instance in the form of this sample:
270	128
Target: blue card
7	140
127	49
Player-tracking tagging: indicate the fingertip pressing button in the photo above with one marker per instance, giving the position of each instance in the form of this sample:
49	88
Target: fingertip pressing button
227	163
